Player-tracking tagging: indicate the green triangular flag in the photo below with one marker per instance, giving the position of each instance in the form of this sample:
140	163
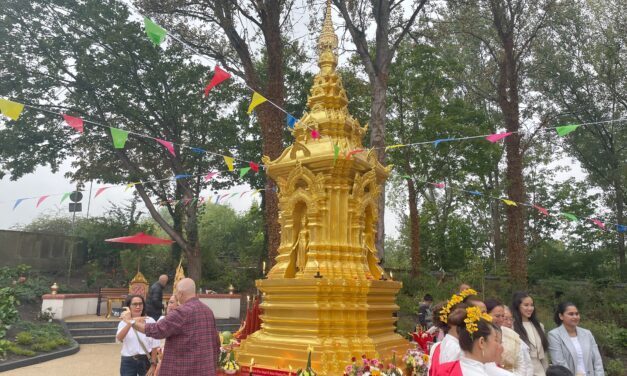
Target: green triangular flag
155	32
336	152
566	129
119	137
243	171
569	216
65	196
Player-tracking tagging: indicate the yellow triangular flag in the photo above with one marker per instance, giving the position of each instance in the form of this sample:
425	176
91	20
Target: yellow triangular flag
394	146
10	108
257	100
130	185
229	162
509	202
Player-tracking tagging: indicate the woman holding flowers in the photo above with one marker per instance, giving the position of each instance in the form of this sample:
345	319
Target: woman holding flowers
531	331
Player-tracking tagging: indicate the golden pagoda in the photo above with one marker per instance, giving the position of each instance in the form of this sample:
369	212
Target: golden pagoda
326	291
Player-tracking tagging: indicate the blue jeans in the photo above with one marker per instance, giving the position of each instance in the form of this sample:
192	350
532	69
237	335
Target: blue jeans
133	366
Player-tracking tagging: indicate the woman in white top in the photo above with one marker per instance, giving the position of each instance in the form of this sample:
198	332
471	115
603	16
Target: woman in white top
574	347
515	358
448	350
531	331
480	341
139	353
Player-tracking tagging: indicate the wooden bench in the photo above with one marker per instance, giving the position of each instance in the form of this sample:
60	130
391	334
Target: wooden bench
111	295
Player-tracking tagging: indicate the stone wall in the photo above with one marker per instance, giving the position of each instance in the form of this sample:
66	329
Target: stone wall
44	252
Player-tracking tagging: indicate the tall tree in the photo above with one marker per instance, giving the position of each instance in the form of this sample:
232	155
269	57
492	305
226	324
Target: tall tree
228	32
376	56
506	32
87	59
585	80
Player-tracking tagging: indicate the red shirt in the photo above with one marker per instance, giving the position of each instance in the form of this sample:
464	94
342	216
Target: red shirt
192	342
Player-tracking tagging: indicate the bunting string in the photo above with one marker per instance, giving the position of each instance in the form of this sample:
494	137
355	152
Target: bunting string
603	225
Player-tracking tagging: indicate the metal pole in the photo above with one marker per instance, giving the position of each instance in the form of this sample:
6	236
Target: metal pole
91	184
69	269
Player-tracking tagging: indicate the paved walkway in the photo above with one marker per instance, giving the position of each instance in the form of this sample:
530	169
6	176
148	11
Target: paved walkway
93	360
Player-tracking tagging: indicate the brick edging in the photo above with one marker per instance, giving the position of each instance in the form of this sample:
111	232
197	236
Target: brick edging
73	349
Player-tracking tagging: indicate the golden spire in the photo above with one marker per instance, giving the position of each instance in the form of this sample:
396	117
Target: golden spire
328	39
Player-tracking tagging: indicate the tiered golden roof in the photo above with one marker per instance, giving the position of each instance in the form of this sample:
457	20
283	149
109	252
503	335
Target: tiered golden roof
328	196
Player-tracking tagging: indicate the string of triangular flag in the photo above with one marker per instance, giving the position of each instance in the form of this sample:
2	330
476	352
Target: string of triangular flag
603	225
561	130
100	190
119	136
157	34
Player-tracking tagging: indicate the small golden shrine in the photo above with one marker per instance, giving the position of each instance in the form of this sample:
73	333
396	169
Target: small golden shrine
326	290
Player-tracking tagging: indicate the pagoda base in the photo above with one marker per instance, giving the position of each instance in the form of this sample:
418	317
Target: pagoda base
335	319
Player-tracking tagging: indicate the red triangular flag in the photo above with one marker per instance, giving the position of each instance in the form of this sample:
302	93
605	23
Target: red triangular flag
218	77
74	122
598	223
352	152
254	166
541	210
100	190
41	199
168	145
439	185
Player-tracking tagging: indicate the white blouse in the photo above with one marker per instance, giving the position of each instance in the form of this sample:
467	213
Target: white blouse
449	349
130	345
472	367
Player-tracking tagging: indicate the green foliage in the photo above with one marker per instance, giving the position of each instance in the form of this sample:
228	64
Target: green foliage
4	347
24	338
17	350
615	367
8	309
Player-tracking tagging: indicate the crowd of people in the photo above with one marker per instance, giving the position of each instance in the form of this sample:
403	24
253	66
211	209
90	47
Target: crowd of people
489	338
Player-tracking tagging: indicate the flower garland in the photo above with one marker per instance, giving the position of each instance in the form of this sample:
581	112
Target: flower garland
473	315
455	299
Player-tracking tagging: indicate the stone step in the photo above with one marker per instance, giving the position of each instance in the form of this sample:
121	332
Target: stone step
95	339
91	324
89	332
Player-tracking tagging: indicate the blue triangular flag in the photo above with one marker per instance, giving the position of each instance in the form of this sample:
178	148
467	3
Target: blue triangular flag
291	121
475	193
621	228
18	201
181	176
198	150
436	142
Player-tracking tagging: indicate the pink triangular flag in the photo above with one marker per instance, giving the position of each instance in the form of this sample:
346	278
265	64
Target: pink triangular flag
41	199
218	77
168	145
254	166
100	190
210	174
598	223
315	134
497	136
541	210
74	122
439	185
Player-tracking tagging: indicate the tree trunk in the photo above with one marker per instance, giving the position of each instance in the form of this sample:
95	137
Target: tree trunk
414	219
496	224
622	271
194	263
377	140
507	89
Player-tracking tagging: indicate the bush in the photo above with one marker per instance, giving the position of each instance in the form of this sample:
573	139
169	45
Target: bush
24	338
615	367
21	351
8	310
4	347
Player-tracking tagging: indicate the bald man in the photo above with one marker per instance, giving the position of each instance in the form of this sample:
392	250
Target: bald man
154	300
192	343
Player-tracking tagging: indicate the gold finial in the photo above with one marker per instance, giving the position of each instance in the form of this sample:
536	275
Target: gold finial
328	39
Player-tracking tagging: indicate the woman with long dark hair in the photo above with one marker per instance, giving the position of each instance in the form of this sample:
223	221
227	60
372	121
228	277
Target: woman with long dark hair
530	330
572	346
139	353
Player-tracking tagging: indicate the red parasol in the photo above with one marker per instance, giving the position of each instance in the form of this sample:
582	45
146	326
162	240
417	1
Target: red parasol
140	238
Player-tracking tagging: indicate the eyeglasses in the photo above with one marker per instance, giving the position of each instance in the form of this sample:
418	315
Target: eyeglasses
137	304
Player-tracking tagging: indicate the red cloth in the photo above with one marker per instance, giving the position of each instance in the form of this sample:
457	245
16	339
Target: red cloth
192	342
443	369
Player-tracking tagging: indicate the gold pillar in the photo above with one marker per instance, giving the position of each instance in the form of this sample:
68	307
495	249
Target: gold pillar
328	214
